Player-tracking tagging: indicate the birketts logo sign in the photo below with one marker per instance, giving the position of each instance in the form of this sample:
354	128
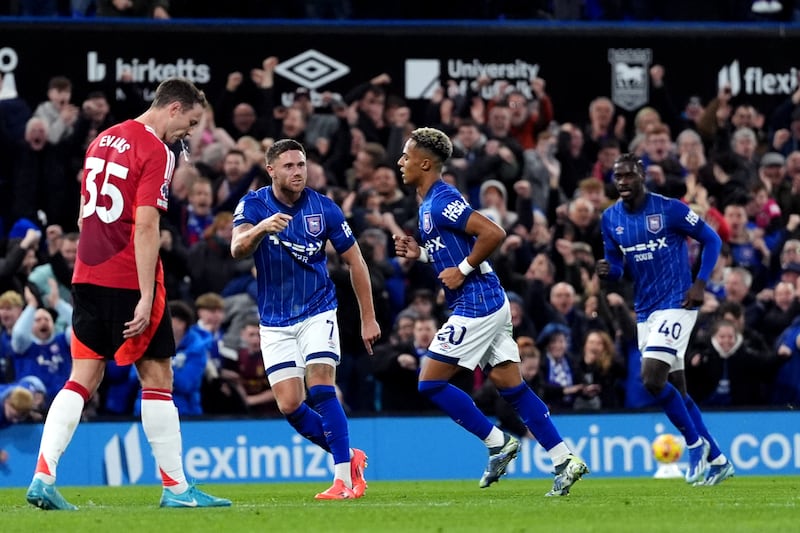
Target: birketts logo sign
754	80
147	71
312	69
630	78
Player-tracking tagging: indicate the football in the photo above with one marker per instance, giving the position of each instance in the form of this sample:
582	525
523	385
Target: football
667	448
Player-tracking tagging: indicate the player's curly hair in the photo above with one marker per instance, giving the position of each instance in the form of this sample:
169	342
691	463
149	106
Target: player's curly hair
631	158
434	141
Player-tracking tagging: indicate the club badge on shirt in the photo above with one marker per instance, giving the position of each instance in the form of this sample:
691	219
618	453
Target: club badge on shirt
427	224
314	224
654	223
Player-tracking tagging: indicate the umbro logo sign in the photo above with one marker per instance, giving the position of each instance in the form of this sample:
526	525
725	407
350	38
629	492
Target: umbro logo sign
312	69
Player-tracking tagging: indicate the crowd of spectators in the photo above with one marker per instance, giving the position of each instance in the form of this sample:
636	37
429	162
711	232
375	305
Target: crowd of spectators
488	10
545	181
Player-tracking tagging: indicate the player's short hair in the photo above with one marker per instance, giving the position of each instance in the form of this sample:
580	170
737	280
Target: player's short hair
630	157
11	299
281	146
180	90
434	141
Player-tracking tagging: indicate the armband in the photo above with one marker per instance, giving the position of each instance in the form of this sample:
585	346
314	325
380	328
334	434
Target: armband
465	268
423	255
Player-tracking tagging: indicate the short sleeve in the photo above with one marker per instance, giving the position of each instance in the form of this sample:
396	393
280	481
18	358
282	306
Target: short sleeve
340	233
450	210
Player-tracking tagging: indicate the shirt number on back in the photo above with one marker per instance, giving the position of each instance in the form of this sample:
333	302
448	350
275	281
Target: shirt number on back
111	171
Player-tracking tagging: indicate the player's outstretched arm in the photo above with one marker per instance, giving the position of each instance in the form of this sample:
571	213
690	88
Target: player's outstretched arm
247	237
359	277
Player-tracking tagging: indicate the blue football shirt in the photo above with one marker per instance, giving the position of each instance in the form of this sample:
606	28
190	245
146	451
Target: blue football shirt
651	244
443	216
292	270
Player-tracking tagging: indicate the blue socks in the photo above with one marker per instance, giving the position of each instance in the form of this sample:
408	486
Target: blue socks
334	421
534	413
697	418
308	423
671	401
458	405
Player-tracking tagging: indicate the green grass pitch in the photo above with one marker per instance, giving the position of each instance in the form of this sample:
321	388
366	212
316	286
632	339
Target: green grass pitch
641	505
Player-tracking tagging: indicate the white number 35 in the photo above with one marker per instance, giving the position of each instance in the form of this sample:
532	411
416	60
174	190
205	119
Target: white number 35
111	171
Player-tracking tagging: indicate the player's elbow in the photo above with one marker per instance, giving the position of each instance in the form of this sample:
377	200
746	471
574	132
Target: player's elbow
497	235
238	251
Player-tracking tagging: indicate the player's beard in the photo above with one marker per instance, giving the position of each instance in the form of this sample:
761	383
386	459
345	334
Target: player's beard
292	187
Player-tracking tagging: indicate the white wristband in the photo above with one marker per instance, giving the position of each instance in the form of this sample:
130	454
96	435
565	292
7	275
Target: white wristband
465	267
423	255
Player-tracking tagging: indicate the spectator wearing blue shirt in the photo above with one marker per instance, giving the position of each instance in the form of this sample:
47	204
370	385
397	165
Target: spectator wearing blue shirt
38	349
189	363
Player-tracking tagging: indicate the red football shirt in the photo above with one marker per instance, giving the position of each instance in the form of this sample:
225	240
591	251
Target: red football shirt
126	166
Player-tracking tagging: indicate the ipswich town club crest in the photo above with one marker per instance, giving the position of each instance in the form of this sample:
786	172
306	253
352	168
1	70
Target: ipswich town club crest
654	223
427	224
314	225
630	76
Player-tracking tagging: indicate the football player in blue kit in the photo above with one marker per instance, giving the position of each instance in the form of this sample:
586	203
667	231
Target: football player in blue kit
285	227
456	241
646	235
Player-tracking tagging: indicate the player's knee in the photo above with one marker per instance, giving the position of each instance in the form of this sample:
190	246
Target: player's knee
653	384
288	406
430	388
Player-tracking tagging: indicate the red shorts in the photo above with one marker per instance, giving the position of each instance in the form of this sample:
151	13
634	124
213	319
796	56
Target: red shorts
98	321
